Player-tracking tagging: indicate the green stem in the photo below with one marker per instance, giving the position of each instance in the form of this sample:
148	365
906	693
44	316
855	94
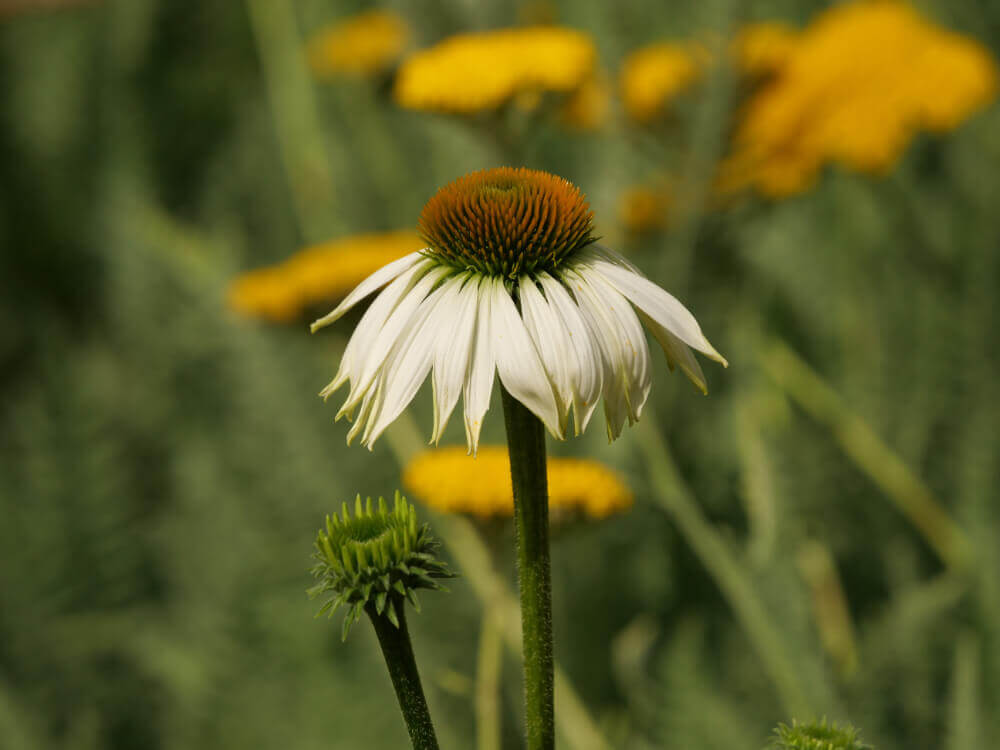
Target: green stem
398	653
296	117
488	669
673	495
526	446
871	454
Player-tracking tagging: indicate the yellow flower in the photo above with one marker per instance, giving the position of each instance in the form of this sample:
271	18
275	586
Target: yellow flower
643	208
761	48
479	71
264	293
587	107
653	76
366	43
449	480
854	88
318	274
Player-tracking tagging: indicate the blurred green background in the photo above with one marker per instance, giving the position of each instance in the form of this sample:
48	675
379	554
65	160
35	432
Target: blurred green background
817	537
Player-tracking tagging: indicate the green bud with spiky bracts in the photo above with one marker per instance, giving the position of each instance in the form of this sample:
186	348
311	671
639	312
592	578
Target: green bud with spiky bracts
816	735
375	560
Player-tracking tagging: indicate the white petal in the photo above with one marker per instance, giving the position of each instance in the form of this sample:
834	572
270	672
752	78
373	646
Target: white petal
612	256
586	370
409	363
677	353
604	331
395	325
655	302
635	352
482	366
378	279
518	363
373	319
453	349
551	339
364	416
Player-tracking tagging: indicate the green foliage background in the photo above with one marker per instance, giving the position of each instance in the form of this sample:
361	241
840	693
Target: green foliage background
164	465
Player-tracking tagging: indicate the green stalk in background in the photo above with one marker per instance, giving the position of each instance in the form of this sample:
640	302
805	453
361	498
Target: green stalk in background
489	665
296	117
673	496
911	496
526	446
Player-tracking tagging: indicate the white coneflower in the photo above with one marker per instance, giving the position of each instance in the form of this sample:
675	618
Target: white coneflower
513	283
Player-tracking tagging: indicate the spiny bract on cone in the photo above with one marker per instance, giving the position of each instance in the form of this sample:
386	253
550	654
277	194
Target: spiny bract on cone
375	559
816	735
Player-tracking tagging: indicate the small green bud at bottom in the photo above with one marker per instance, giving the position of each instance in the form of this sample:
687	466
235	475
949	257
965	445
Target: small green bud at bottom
375	558
816	736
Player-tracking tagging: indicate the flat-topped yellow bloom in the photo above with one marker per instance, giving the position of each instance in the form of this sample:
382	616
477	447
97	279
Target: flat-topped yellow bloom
653	76
587	108
364	44
319	274
265	293
479	71
644	208
449	480
761	48
854	88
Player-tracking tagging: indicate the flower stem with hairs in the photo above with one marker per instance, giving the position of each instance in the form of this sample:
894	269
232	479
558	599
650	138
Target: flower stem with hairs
398	653
526	444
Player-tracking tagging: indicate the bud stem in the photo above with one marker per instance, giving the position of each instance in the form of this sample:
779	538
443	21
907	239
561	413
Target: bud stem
526	446
398	653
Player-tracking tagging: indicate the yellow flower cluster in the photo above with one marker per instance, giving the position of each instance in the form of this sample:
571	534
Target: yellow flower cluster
762	48
854	88
449	480
653	76
644	208
363	44
318	274
587	107
472	72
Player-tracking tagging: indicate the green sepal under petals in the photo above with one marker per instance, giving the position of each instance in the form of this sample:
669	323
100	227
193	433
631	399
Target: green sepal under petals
374	560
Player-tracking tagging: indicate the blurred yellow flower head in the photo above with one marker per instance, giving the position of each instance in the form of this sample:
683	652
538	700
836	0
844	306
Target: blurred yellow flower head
587	108
449	480
644	208
471	72
653	76
762	48
854	88
318	274
366	44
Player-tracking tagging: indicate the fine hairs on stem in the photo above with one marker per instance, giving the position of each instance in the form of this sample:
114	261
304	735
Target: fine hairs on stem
398	652
526	444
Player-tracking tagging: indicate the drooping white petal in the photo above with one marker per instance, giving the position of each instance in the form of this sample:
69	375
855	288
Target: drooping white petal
585	367
604	252
655	302
373	319
368	404
518	363
452	351
635	351
409	362
386	338
482	366
378	279
604	332
551	339
677	353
